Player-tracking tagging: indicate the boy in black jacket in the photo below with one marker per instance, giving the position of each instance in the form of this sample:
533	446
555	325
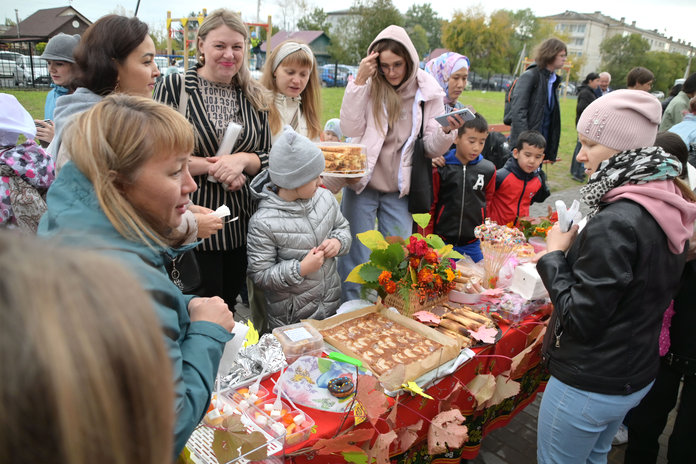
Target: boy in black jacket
462	188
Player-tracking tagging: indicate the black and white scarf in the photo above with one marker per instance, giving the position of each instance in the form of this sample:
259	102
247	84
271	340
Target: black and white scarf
636	166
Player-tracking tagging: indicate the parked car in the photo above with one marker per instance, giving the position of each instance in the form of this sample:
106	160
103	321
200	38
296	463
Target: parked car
501	81
571	88
479	82
40	72
659	94
9	71
331	78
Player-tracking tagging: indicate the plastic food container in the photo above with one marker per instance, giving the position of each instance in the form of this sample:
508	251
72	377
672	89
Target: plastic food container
297	430
299	340
463	297
241	396
344	159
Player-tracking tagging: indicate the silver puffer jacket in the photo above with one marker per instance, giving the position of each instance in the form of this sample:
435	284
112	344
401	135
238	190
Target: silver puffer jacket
280	235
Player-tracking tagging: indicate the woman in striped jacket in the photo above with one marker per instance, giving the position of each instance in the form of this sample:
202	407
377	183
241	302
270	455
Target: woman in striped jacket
214	92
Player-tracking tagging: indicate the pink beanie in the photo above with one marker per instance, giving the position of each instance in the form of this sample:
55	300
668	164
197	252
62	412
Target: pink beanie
622	120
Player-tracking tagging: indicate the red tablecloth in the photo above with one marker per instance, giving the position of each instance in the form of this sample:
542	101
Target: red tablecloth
494	359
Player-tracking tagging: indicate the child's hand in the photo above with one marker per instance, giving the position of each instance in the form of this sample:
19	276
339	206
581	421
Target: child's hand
208	224
312	262
330	247
439	161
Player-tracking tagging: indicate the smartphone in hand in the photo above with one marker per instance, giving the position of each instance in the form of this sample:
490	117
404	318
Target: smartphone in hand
465	114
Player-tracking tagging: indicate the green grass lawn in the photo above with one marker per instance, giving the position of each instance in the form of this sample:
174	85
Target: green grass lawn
489	104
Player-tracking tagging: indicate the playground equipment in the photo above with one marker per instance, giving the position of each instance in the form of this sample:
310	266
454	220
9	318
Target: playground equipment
190	36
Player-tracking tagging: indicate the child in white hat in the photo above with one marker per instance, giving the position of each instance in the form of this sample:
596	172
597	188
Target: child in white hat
296	234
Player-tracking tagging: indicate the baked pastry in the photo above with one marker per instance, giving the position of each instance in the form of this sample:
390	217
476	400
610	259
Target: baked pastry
381	343
341	387
346	159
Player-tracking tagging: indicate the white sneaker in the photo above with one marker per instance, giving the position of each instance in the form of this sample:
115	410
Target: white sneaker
621	436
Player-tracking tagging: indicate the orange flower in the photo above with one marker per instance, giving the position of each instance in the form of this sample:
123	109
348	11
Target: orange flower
425	276
431	257
390	287
449	274
384	277
414	262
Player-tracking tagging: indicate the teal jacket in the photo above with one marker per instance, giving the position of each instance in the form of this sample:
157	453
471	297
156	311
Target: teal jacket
74	218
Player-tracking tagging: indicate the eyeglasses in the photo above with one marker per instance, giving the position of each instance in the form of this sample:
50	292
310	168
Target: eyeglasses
386	68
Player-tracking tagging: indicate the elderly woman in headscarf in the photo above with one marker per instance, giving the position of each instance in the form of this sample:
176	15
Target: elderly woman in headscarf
451	71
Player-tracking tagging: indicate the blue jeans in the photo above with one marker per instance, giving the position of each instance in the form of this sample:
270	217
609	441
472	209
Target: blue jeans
473	250
361	211
577	426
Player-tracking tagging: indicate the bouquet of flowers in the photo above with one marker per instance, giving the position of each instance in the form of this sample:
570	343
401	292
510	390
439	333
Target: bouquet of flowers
537	226
424	266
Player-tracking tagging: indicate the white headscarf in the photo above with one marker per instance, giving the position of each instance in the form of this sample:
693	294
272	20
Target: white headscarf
14	121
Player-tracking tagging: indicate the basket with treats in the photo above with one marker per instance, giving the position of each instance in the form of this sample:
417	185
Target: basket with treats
343	159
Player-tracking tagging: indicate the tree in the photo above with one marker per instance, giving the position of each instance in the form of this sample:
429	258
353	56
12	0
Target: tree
315	20
424	16
620	54
10	22
666	67
420	40
355	33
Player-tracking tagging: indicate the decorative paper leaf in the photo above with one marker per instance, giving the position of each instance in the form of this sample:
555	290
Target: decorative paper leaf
369	272
235	441
345	442
414	388
504	388
373	239
521	362
357	458
446	403
446	432
435	242
370	394
252	336
408	435
484	334
359	413
354	275
422	219
426	317
391	418
380	450
482	387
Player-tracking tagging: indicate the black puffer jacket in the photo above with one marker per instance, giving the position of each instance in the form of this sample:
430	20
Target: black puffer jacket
609	295
585	96
529	101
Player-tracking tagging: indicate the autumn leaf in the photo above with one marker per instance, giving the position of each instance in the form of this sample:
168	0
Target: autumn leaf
504	388
226	445
355	458
345	442
426	317
391	418
370	394
446	403
422	219
380	450
354	275
446	432
484	334
373	239
408	435
522	362
482	387
255	441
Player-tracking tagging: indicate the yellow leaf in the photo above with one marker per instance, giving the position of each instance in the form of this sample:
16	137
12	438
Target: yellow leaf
422	219
373	239
354	275
252	337
414	388
359	413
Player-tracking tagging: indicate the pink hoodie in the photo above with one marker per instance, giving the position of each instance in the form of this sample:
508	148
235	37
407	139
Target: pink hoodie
663	200
358	121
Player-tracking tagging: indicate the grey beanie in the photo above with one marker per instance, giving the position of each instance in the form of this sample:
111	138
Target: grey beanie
294	160
60	48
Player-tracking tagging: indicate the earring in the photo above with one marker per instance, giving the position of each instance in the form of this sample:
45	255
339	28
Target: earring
117	87
201	59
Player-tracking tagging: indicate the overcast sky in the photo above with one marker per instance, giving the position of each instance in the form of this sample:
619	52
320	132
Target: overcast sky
672	17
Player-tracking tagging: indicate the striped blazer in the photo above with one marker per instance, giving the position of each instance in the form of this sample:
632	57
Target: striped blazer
254	138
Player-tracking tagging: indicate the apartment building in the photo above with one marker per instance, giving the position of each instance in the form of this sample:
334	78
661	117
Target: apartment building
588	30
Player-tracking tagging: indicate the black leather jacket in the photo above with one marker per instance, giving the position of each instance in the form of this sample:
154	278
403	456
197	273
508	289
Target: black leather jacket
529	101
610	293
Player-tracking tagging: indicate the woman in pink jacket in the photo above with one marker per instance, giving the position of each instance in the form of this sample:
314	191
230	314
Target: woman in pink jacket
382	110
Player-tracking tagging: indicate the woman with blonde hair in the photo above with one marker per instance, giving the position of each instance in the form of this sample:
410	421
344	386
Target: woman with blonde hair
85	372
384	108
213	93
124	193
291	74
